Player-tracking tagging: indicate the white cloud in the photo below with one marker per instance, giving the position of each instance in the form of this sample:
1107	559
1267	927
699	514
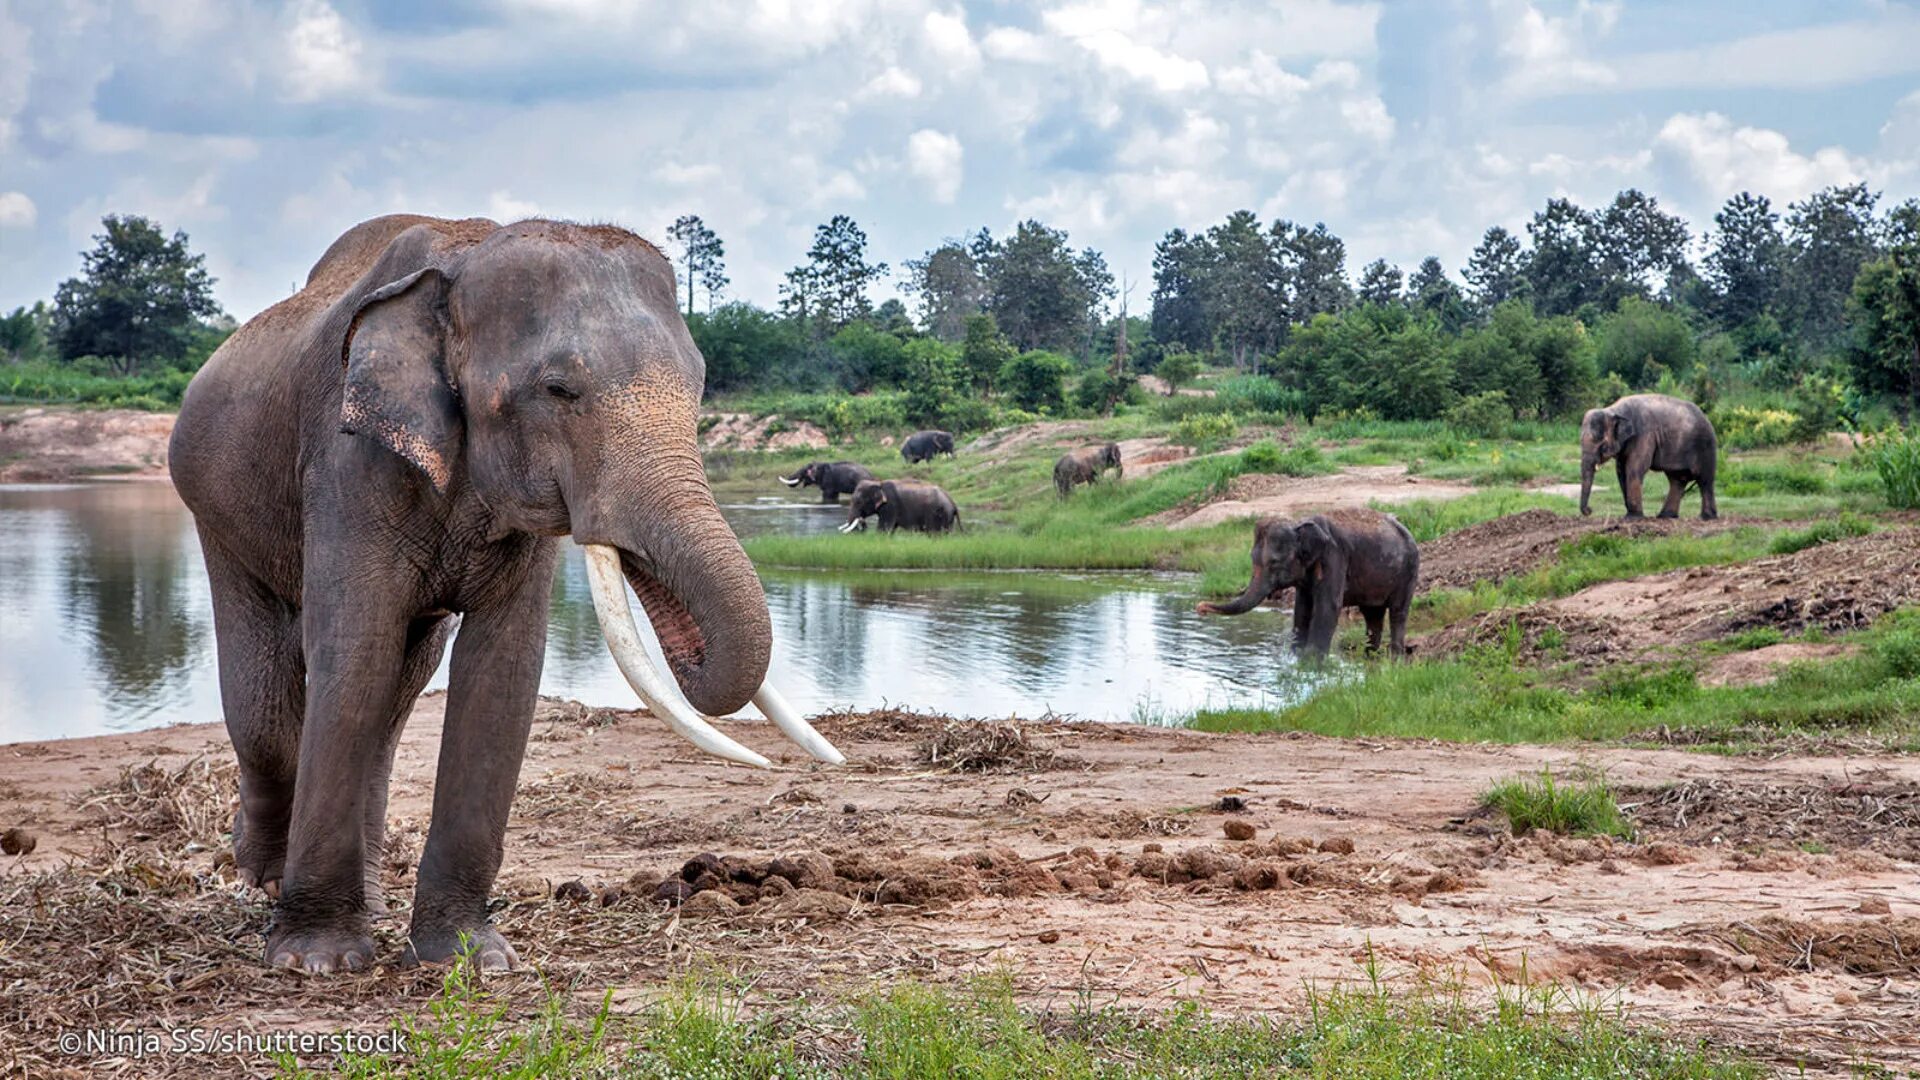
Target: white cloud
1118	34
1835	54
1263	77
936	157
1549	53
323	56
17	211
948	37
1725	159
891	83
503	207
1013	43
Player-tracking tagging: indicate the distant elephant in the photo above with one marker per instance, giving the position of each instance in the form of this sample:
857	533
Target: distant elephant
901	504
923	445
1084	466
393	451
1339	559
835	478
1651	431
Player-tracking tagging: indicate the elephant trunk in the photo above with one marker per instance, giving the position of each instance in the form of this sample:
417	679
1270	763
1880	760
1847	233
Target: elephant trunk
1587	463
1257	592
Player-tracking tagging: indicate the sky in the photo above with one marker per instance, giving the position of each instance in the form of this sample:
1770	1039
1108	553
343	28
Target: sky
266	129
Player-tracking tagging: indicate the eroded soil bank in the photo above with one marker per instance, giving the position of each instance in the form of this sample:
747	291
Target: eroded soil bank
1769	904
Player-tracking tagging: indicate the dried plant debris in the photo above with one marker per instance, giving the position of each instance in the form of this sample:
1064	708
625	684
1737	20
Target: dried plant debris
1883	817
990	746
193	803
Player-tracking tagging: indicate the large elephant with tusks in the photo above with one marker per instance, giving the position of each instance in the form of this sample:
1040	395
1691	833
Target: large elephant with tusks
397	448
1651	431
902	504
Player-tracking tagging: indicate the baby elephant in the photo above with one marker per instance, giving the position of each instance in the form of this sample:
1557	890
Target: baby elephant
923	445
1084	466
1343	558
901	504
835	478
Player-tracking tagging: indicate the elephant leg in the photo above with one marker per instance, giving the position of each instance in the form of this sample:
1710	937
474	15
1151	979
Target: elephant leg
1709	506
1397	616
1302	621
495	682
1376	615
263	680
1327	594
1630	482
426	644
1676	487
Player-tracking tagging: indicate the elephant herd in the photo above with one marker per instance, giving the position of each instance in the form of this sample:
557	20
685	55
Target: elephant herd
914	505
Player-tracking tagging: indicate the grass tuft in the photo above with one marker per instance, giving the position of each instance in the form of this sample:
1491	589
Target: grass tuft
1579	808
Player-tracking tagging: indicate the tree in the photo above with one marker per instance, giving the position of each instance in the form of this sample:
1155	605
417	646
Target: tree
701	253
1497	270
1383	359
947	281
746	346
932	372
1311	269
1241	305
1036	380
1380	283
1902	227
1561	272
1041	292
1177	368
1638	249
24	333
139	300
1180	264
867	357
1745	259
984	352
1884	311
1829	236
1642	340
831	288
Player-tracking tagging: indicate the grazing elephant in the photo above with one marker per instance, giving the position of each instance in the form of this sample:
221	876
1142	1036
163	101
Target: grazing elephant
1084	466
834	478
923	445
395	450
1339	559
901	504
1651	431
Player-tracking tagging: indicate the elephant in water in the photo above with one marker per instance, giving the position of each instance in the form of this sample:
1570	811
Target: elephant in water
923	445
1084	466
1651	431
902	504
397	448
834	478
1339	559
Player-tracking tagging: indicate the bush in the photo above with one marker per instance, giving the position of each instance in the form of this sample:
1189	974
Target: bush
1036	381
1205	432
1819	406
1820	532
1898	653
1896	457
1641	340
1099	390
1300	459
1744	428
1485	414
1566	808
1248	395
1177	367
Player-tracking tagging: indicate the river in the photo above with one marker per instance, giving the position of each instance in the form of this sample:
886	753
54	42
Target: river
105	626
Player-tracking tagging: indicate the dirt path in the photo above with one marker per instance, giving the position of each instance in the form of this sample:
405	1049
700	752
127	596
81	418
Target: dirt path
1083	858
1258	495
51	445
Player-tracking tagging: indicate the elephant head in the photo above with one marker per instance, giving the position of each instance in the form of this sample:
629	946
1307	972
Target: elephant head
1603	434
1284	556
1110	456
807	475
546	371
867	500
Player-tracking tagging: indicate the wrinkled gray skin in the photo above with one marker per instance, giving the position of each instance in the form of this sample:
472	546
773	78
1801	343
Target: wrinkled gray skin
1651	431
393	450
1084	466
903	504
923	445
833	478
1340	559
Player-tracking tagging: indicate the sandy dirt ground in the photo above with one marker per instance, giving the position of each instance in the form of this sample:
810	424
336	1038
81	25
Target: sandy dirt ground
1133	865
54	445
1358	485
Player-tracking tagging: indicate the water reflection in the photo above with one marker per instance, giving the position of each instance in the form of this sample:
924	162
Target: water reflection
105	624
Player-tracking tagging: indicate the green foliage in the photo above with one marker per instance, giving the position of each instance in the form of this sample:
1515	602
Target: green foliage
44	382
1642	340
1098	390
1884	311
1580	808
1205	432
868	358
932	372
1177	366
140	299
746	346
1258	395
1485	414
1385	360
1746	428
984	352
24	334
1035	381
1895	455
1297	459
1824	531
1430	519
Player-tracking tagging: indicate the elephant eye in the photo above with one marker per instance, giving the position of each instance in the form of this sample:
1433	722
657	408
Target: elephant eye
561	390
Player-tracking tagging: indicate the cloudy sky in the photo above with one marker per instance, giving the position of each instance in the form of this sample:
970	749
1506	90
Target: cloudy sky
265	129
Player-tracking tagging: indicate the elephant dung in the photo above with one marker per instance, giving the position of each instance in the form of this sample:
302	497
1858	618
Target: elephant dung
712	902
18	842
1237	829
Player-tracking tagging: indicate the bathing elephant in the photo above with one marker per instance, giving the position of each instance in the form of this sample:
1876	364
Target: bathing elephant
1651	431
834	478
1084	466
901	504
923	445
1339	559
395	450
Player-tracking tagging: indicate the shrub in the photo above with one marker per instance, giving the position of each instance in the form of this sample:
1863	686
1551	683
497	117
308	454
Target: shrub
1568	808
1898	653
1485	414
1036	381
1896	457
1177	367
1251	394
1205	432
1745	428
1099	390
1819	406
1642	340
1820	532
1267	456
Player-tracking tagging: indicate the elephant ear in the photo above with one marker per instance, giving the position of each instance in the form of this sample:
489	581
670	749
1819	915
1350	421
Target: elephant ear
1624	427
1312	540
397	391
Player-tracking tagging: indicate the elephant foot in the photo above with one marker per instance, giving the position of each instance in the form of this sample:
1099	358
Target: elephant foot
258	861
320	951
1668	514
483	946
1709	515
1634	515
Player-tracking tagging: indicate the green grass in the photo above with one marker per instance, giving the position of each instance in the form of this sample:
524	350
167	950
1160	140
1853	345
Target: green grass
1577	808
1430	519
1874	693
909	1031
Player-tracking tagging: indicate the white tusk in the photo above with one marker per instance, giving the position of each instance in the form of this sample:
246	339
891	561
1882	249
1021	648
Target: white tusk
609	588
789	483
783	715
849	526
